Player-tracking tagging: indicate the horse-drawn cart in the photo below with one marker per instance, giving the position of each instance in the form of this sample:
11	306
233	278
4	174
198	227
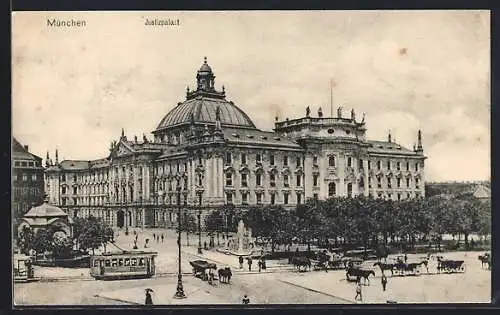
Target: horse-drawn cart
450	266
201	268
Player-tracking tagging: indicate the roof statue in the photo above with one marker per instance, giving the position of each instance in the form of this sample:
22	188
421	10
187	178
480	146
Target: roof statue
308	111
144	138
389	138
320	112
135	138
339	112
353	115
363	119
217	113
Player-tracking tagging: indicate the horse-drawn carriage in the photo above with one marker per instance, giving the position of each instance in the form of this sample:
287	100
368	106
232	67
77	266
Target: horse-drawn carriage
326	260
202	269
485	260
450	266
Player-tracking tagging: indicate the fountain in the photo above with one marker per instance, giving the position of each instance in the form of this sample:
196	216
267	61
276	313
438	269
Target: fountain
243	245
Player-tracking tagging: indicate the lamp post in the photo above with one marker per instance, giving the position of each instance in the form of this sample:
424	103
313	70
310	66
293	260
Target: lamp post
199	223
179	294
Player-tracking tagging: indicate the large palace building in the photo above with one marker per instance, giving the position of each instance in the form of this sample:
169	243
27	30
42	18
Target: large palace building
207	152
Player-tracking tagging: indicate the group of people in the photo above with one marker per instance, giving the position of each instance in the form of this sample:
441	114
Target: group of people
261	263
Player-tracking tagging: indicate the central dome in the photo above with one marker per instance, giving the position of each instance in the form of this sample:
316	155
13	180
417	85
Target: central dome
201	105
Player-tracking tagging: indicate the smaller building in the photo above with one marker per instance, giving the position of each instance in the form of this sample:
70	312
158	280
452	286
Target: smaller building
27	180
48	217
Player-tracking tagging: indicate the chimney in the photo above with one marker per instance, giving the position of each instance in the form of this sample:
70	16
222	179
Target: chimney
25	147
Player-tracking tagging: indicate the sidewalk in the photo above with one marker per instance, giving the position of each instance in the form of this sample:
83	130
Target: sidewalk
164	295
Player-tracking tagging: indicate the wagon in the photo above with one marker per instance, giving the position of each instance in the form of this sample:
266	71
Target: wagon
200	267
451	266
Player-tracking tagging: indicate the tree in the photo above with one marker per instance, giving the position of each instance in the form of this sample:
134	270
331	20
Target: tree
61	245
190	225
42	241
25	240
96	233
213	224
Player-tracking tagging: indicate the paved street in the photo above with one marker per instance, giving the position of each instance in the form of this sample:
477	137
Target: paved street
278	284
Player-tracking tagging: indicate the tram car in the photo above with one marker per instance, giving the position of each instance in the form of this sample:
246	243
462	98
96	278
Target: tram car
123	265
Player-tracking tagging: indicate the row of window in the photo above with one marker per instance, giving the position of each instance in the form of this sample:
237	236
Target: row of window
258	159
259	197
26	164
25	177
121	262
350	161
258	180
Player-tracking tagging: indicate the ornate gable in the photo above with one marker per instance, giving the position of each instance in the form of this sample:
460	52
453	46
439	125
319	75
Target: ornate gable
122	149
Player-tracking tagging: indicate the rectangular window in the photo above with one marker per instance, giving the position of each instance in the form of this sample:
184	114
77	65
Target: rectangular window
258	158
244	198
379	182
14	177
298	162
416	167
127	261
299	180
271	159
407	182
315	160
369	182
399	197
349	161
272	180
17	163
388	165
259	198
33	177
141	261
399	182
25	177
299	199
244	182
407	166
200	180
273	199
63	178
369	165
75	190
229	197
389	196
63	190
389	182
378	164
24	164
315	196
417	183
243	158
133	261
398	166
285	160
114	262
285	181
360	164
228	158
285	198
258	180
331	161
315	180
108	262
229	179
75	201
120	262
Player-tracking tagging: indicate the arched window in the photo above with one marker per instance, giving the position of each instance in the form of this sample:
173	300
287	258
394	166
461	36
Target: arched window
331	161
332	189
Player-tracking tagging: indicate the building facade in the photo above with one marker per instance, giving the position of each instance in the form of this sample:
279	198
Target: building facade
27	180
207	152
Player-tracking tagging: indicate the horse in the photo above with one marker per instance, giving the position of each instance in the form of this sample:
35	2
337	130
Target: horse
360	273
485	260
385	266
301	261
225	275
449	265
409	267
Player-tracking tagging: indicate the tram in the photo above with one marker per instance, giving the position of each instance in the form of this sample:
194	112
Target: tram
123	265
23	269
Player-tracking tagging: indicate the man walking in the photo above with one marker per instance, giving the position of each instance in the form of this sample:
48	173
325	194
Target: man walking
358	292
249	263
240	260
384	282
162	237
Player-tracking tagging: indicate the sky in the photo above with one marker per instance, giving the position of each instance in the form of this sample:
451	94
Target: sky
74	89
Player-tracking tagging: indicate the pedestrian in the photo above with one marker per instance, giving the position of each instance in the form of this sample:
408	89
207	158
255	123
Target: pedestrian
260	264
205	245
358	292
384	282
149	300
249	259
154	236
162	237
406	258
245	299
240	260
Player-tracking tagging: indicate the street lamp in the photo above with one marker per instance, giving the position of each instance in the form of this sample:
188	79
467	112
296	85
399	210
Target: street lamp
199	223
179	294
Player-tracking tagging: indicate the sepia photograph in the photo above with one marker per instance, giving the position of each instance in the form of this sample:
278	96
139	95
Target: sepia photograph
250	157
